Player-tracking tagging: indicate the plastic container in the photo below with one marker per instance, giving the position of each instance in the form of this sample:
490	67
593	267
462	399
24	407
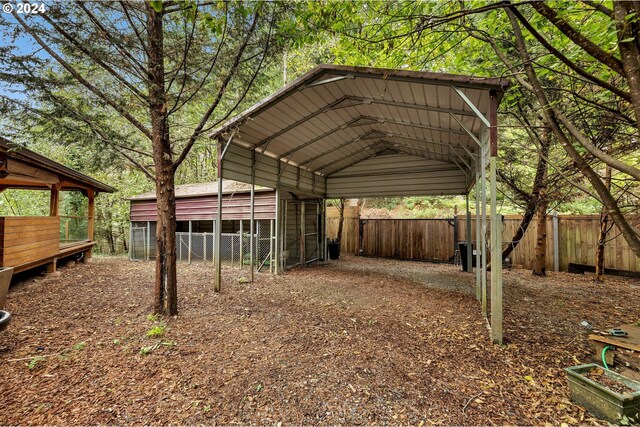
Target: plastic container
599	399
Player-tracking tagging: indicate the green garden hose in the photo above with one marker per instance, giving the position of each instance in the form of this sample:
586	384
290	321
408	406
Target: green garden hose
604	351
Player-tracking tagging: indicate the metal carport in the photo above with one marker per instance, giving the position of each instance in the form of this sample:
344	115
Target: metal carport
342	131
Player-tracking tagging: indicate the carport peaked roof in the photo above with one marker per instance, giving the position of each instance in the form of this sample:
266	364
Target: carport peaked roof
340	121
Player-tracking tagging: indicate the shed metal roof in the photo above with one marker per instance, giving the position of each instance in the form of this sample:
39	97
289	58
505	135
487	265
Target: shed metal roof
341	131
204	189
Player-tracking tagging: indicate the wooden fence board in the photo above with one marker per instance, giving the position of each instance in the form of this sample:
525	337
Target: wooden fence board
432	239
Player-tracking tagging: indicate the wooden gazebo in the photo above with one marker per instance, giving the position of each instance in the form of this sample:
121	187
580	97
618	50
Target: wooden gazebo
31	241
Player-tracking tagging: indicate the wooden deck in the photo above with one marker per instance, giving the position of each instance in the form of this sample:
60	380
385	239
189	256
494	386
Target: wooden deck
624	352
27	242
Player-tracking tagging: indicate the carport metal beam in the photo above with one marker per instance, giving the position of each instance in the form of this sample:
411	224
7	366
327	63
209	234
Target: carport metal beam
496	227
252	220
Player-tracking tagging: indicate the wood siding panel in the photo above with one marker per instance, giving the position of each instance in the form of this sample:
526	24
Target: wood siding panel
234	207
28	239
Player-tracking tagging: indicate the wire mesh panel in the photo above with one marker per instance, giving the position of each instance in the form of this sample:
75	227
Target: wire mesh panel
311	229
199	247
138	242
293	229
182	246
264	246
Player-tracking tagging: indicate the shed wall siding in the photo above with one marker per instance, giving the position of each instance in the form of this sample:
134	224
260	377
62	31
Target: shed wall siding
234	207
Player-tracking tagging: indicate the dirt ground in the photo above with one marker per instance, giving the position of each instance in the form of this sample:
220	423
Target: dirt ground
357	341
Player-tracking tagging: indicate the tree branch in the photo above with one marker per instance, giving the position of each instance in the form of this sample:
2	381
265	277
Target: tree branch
205	118
555	52
81	79
93	57
575	36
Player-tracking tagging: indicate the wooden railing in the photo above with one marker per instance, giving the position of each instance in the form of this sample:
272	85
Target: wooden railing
27	239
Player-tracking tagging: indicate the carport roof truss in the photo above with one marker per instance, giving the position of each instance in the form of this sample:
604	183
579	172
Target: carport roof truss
341	131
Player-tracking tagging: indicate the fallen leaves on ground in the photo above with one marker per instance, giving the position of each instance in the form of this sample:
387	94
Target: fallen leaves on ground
356	341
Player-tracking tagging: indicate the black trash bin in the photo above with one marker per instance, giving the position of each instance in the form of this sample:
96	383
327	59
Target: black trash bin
334	250
462	247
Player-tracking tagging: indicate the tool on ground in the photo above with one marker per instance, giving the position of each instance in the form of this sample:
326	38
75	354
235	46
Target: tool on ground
614	332
617	332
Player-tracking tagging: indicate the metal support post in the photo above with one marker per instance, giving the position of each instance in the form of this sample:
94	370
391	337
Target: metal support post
469	243
496	228
252	216
322	251
303	238
148	240
190	241
479	247
318	231
271	237
218	266
483	233
241	247
277	226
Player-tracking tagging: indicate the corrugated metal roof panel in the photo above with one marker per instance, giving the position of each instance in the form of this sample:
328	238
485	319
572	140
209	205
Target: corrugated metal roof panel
334	117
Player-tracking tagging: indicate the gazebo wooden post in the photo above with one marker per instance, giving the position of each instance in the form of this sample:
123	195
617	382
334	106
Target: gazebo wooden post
54	200
91	213
496	227
54	205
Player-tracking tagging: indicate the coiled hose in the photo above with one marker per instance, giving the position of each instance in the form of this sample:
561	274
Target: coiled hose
604	351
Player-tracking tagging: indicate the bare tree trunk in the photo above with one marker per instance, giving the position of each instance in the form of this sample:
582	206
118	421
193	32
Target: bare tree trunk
602	233
602	238
540	261
125	246
340	220
627	230
111	240
537	191
166	290
627	35
522	228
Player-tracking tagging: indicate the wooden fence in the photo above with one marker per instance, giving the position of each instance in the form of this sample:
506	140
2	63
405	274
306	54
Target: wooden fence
349	228
433	239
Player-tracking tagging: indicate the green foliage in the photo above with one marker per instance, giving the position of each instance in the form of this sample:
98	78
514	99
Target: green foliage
35	362
384	202
80	346
153	317
156	5
157	331
15	202
146	350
